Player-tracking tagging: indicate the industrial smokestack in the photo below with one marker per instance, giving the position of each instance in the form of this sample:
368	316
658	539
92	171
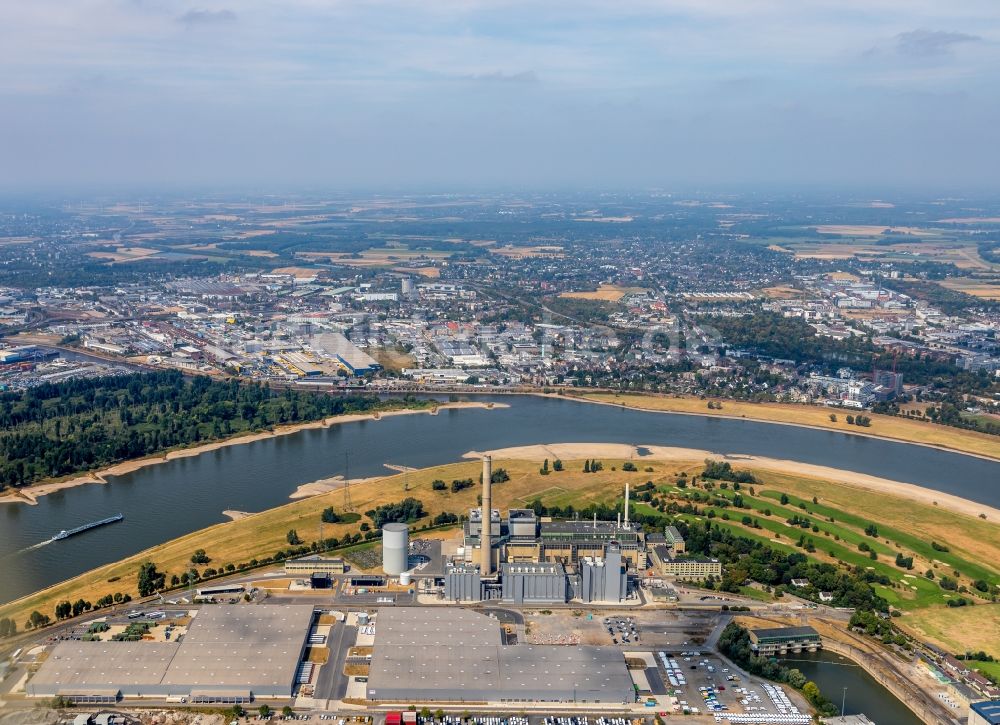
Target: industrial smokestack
486	531
626	504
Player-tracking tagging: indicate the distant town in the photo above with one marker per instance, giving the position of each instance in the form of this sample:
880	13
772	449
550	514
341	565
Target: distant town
679	296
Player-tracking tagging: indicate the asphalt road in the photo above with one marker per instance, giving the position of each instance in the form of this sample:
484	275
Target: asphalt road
331	683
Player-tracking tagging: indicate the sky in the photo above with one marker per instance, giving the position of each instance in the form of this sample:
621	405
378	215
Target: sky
533	95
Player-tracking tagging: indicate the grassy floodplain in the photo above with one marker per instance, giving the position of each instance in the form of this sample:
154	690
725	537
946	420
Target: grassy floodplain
815	416
904	527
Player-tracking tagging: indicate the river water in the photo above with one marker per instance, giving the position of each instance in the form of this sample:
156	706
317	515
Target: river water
164	501
832	673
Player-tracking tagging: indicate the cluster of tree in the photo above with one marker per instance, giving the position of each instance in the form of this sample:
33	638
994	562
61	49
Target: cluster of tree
8	627
407	510
713	405
629	467
863	420
62	428
445	517
734	642
879	626
904	562
769	334
329	516
592	466
723	471
65	610
865	547
949	301
149	580
499	475
460	484
36	619
949	413
746	560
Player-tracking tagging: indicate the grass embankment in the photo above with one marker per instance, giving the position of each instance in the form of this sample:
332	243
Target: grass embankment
815	416
904	526
265	533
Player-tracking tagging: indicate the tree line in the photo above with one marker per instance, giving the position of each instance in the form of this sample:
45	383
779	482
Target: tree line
65	428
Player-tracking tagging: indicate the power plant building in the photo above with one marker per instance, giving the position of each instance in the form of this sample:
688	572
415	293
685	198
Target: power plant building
463	583
604	580
395	549
531	583
423	654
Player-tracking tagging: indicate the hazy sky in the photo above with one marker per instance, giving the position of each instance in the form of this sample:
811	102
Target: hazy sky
535	94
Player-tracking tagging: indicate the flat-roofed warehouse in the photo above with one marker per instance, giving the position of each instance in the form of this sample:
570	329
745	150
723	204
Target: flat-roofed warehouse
456	655
229	654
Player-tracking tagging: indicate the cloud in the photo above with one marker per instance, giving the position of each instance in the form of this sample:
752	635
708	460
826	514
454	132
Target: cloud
201	18
930	43
527	76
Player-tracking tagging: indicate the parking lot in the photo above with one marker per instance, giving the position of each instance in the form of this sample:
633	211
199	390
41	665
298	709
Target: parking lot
703	683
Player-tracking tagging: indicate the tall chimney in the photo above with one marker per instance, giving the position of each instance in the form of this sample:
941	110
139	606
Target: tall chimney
626	504
486	532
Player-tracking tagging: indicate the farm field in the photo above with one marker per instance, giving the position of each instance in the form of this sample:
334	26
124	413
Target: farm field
604	293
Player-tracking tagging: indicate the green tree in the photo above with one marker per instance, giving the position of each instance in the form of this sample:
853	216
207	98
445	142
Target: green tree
293	537
149	579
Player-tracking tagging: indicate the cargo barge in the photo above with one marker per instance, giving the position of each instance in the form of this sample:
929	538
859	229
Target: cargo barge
64	534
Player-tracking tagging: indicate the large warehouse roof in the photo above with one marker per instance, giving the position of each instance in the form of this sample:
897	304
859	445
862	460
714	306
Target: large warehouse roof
429	627
424	654
241	647
100	664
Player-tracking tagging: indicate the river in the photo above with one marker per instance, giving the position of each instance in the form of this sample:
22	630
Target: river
164	501
832	673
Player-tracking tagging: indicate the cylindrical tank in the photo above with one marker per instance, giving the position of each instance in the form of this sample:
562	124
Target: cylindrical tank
362	618
395	549
405	578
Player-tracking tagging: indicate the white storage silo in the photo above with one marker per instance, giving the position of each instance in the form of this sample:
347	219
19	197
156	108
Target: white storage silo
395	549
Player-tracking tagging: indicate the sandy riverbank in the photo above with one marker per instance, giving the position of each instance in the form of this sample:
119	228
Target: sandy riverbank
30	494
989	455
236	515
909	491
325	485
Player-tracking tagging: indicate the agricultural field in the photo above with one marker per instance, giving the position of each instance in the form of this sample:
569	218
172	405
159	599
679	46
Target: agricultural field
985	287
604	293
